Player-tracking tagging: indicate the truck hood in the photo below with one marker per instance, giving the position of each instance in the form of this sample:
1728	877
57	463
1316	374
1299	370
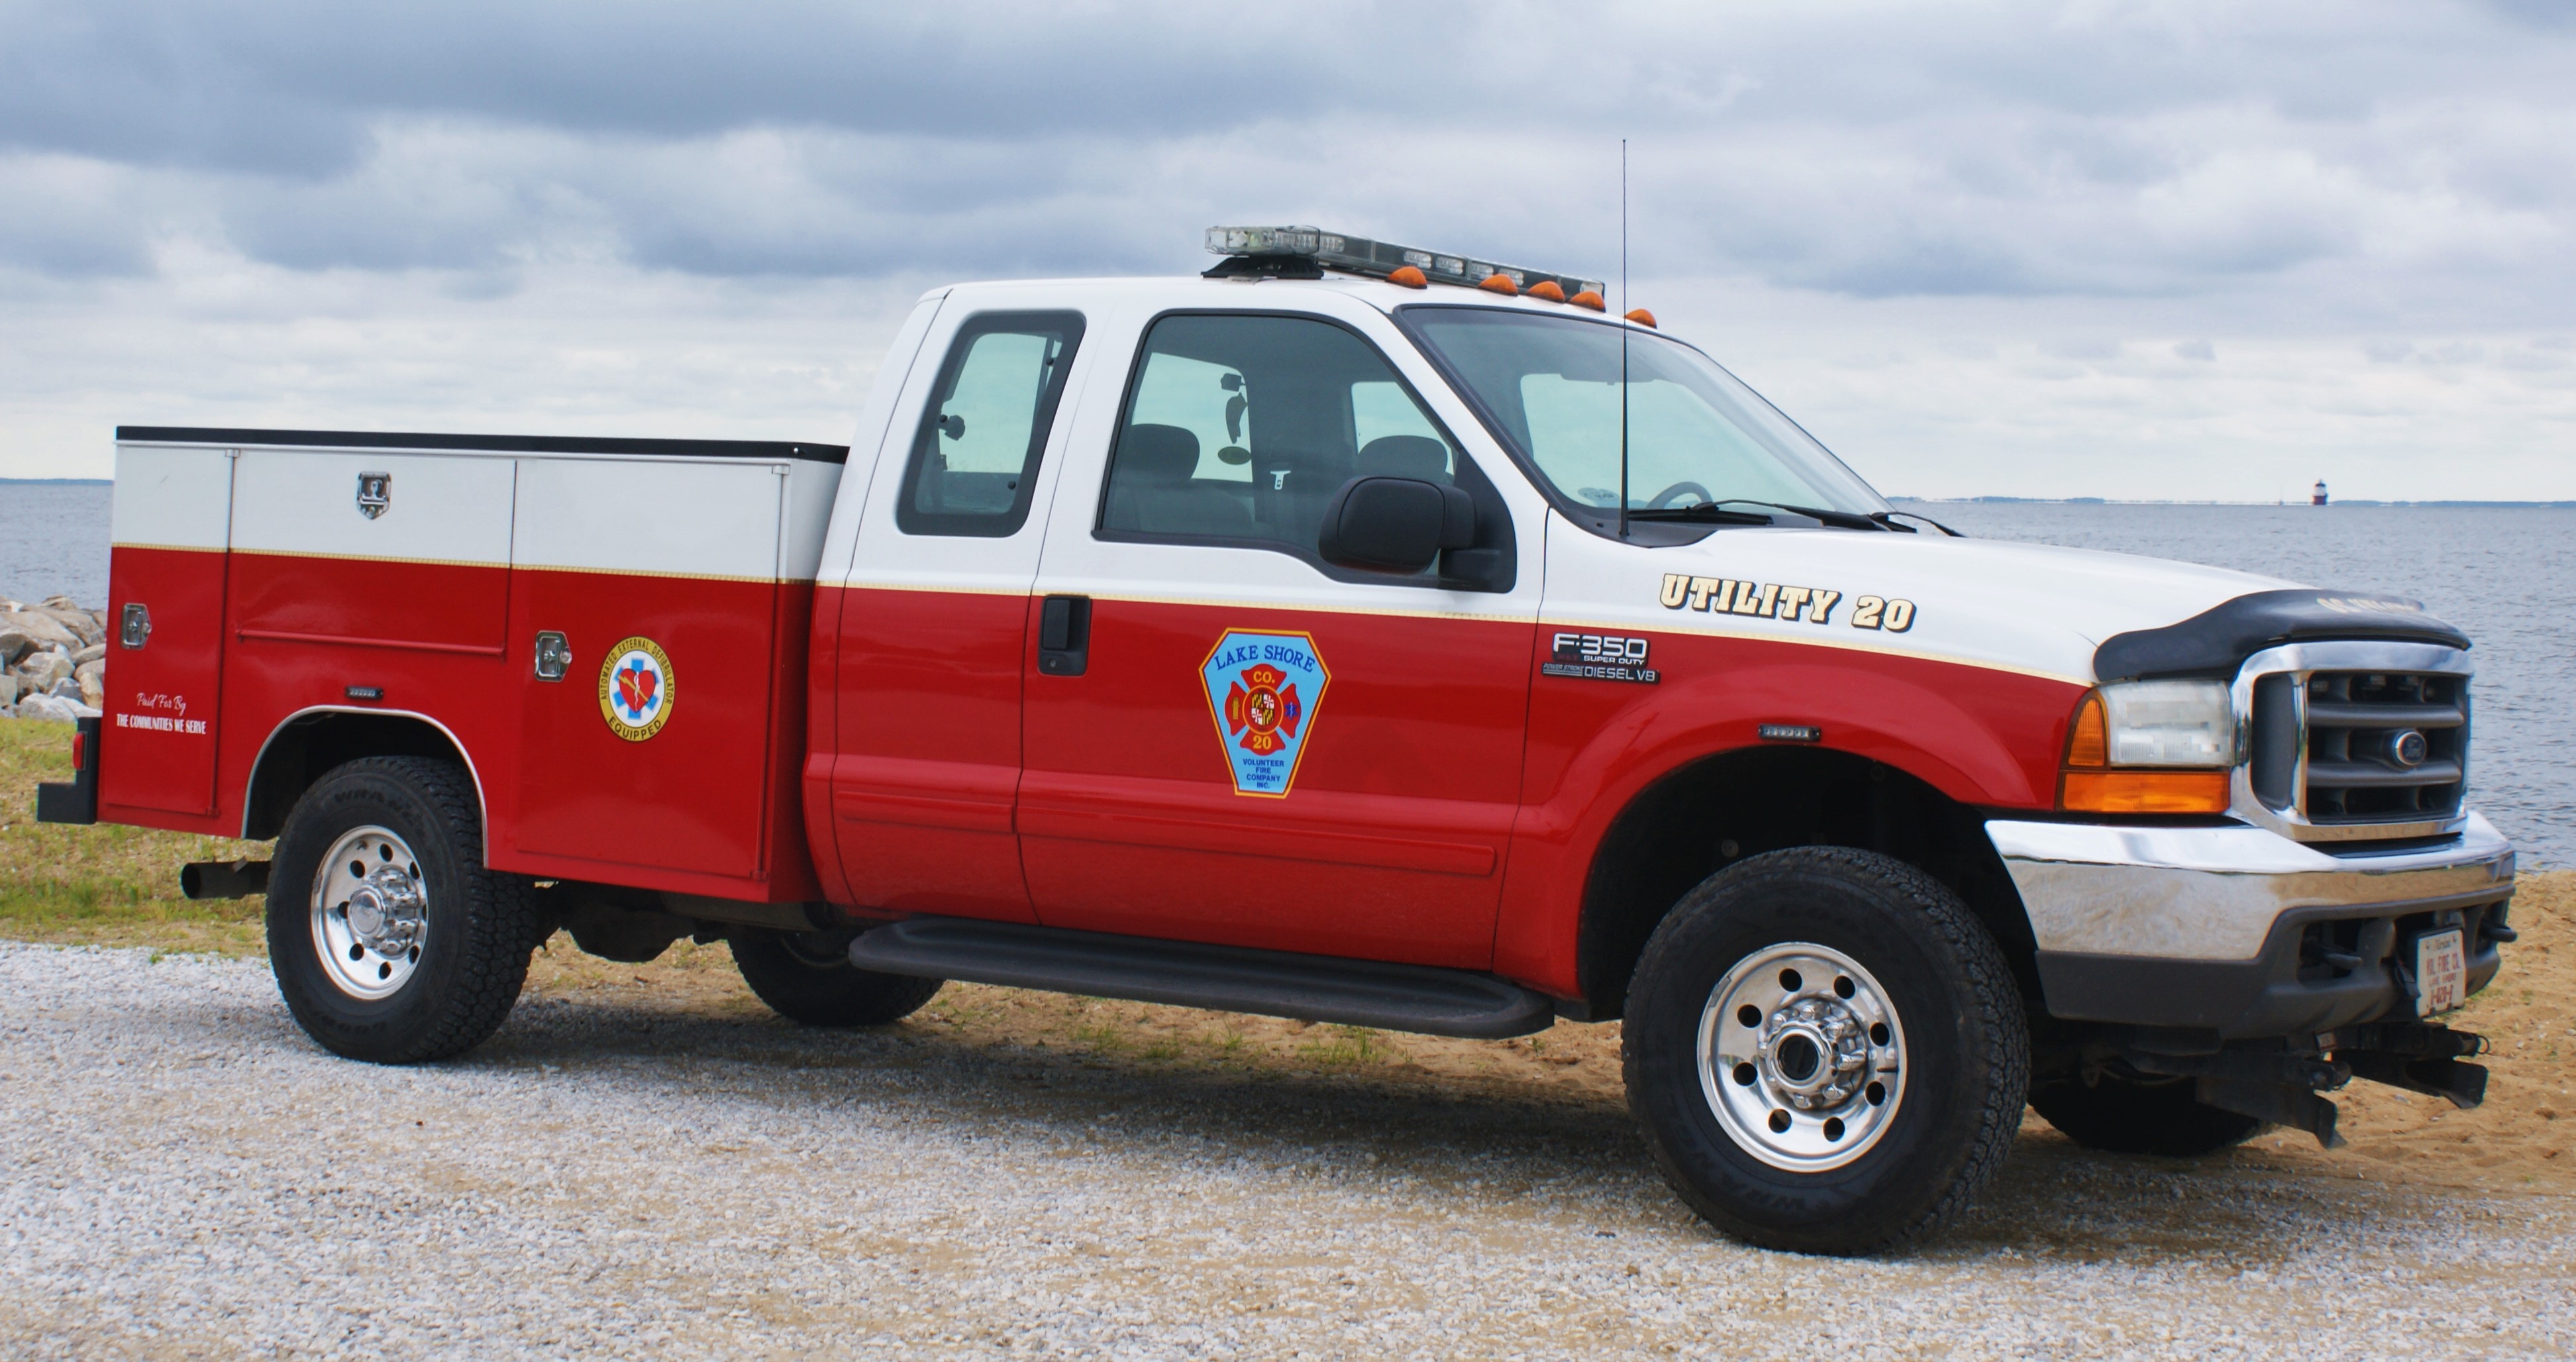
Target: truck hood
2026	607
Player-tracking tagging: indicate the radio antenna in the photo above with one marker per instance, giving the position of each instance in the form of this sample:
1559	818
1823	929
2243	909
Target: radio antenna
1623	337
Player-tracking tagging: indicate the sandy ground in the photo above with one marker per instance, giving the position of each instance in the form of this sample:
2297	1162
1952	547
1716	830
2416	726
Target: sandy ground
639	1171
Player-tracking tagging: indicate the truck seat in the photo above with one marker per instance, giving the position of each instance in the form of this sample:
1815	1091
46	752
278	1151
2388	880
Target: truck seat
1152	488
1406	456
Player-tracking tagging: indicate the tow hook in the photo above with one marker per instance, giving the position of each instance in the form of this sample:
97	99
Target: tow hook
2281	1080
2279	1086
2413	1056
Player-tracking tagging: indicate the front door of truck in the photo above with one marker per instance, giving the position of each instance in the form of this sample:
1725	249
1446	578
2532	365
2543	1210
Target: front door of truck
1228	740
926	742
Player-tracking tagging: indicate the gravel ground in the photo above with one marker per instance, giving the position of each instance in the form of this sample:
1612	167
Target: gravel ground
187	1175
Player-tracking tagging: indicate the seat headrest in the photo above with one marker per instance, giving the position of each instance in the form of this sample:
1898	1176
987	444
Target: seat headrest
1158	453
1406	456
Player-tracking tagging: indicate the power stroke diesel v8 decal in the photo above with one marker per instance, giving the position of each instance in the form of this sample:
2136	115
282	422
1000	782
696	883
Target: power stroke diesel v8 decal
1599	657
635	689
1772	600
1263	690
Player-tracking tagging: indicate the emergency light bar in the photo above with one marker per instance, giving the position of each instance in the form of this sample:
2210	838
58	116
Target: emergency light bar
1306	252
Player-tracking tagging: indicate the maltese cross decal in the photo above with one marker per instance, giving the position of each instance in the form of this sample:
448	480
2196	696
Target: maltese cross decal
1263	689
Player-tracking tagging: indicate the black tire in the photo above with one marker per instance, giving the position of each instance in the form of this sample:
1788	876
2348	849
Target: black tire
2124	1117
472	957
807	977
1963	1038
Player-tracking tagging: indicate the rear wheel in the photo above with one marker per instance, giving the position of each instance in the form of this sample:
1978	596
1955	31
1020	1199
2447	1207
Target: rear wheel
808	977
1826	1051
2127	1117
390	940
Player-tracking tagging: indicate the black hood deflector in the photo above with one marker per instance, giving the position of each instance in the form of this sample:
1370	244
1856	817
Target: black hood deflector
2214	641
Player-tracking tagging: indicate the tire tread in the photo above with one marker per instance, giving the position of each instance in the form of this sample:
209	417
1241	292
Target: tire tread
1989	983
500	910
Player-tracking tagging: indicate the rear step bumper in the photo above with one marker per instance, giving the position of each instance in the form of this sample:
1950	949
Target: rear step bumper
1438	1002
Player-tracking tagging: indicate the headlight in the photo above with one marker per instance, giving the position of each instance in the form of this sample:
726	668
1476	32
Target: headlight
2169	723
2151	747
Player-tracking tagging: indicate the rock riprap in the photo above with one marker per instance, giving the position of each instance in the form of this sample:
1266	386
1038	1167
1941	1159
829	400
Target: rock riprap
53	660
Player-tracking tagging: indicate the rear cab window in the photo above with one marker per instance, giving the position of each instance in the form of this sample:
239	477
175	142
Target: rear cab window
974	460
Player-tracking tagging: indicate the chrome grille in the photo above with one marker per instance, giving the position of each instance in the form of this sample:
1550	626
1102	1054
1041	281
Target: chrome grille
2353	749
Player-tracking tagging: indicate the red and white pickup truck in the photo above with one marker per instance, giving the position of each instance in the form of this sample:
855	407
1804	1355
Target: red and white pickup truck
1358	634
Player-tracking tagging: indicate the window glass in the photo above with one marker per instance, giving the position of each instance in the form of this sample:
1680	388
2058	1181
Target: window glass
1552	386
975	459
1243	427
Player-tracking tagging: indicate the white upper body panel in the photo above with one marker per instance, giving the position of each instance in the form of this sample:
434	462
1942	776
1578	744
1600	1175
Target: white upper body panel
749	518
2031	608
2020	607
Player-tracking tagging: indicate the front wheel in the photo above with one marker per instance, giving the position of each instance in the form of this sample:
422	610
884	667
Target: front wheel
1826	1051
390	940
2121	1116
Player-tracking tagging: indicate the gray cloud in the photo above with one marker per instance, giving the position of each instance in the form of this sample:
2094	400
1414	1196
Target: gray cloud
1877	150
1958	240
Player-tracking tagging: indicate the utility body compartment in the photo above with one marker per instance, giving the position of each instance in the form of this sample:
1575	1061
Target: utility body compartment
304	582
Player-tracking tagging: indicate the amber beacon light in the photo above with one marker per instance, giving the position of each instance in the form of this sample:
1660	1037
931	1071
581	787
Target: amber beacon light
2150	747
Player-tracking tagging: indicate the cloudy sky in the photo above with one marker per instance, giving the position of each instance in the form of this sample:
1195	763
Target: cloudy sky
2167	250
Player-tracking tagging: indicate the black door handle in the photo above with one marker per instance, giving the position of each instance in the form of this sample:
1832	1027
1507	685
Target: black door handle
1064	635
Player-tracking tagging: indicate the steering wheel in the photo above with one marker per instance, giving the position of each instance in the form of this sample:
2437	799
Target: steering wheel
1666	497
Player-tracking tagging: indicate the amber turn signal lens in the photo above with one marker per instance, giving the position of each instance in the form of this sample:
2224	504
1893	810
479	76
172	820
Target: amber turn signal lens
1642	317
2089	744
1590	299
1408	277
2145	792
1499	283
1546	290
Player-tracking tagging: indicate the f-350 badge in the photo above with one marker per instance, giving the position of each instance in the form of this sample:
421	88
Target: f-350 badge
1263	690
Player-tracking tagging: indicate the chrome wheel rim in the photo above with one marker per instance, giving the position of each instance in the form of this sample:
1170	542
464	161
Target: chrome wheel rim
370	913
1801	1057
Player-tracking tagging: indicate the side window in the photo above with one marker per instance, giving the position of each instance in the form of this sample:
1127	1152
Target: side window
975	459
1240	428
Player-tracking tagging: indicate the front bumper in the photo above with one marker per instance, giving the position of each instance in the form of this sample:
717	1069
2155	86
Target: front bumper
2242	931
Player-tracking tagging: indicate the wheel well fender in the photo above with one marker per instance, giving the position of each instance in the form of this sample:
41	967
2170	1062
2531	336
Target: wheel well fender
306	745
1706	815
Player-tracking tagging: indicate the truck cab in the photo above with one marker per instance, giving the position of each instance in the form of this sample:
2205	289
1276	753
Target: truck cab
1355	633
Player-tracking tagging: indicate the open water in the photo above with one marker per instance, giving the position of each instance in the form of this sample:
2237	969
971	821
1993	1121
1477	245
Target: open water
2507	575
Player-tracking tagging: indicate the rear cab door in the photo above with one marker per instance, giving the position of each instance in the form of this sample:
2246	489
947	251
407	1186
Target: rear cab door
1227	739
924	744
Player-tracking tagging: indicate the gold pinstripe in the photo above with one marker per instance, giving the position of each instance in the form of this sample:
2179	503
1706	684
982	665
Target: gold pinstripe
1848	645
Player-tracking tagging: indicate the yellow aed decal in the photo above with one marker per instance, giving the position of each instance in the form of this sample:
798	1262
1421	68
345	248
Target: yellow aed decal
635	689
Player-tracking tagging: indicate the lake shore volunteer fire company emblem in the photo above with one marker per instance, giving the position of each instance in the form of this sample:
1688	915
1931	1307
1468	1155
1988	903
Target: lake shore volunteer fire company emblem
635	689
1263	690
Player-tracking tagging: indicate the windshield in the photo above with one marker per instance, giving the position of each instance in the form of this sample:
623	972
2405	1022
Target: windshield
1696	434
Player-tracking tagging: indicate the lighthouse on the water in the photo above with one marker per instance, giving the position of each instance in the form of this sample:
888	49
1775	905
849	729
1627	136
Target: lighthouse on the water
2318	498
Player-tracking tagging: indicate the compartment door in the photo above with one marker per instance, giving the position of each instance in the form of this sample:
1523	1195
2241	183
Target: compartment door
171	522
649	746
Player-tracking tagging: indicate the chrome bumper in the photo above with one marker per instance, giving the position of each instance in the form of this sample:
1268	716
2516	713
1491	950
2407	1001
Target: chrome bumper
2214	893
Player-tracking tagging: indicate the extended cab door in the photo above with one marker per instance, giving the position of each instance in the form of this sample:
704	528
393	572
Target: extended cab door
1228	740
925	747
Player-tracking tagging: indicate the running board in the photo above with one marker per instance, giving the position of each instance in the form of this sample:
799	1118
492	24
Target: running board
1438	1002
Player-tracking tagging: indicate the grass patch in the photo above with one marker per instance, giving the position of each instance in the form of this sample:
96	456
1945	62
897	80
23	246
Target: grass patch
104	885
1349	1047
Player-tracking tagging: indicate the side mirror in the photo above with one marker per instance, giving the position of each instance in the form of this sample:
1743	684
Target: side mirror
1395	524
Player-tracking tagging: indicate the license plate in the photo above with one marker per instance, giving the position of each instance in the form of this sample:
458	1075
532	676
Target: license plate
2441	972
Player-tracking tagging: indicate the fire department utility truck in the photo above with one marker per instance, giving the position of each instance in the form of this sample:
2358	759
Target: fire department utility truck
1354	633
